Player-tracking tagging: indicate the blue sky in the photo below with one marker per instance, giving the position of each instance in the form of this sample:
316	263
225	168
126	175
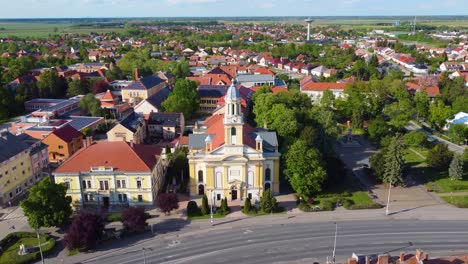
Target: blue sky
170	8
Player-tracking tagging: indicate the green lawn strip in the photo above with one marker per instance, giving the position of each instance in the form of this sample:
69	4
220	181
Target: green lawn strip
458	201
10	255
199	217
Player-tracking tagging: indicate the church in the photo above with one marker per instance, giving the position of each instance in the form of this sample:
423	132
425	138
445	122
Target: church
230	158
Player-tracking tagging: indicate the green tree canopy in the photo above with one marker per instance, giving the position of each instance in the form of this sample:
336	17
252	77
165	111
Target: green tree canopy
90	104
394	163
439	157
304	169
47	205
421	102
184	98
456	168
439	113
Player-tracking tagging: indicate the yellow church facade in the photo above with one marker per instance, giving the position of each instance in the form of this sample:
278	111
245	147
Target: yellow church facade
229	158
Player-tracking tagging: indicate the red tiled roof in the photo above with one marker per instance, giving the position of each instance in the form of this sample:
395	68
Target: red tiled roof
118	154
322	86
263	70
67	133
431	91
109	96
184	140
216	126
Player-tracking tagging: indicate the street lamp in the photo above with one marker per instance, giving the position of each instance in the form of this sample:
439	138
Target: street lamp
211	208
144	255
334	244
388	198
40	246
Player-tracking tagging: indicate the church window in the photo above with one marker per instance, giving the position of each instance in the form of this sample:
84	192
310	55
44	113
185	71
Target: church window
268	174
200	176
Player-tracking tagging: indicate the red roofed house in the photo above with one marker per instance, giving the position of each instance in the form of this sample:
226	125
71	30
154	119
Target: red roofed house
315	89
113	174
230	159
63	143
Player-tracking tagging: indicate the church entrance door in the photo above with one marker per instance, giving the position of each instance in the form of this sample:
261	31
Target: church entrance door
234	194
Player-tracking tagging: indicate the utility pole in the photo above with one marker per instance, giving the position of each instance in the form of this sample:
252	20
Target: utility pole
388	198
334	245
40	246
144	256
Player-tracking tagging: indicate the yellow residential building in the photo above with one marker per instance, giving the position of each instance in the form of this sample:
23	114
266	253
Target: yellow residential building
21	161
142	89
112	174
229	158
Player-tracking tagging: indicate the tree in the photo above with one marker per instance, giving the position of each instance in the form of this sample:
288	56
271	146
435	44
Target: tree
47	205
283	120
377	164
192	208
415	138
439	157
439	113
100	87
456	168
394	163
224	208
327	99
304	169
51	85
85	231
167	202
247	206
77	87
421	102
400	113
458	132
460	104
268	202
181	70
184	98
377	129
134	219
204	209
90	104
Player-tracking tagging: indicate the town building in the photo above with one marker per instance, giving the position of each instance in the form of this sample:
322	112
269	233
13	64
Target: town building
165	126
315	89
22	160
229	158
63	143
131	129
152	103
112	174
142	88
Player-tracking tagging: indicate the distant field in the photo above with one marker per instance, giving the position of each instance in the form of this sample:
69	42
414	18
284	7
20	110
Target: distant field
33	29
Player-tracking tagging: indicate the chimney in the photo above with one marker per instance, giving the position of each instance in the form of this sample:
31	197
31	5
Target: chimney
382	259
367	260
137	75
402	257
426	257
131	144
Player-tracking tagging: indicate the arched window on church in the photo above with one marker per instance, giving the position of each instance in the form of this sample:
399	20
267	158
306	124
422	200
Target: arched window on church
200	176
268	174
233	136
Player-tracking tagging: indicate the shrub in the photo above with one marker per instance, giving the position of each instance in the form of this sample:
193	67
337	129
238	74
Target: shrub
439	157
134	219
12	238
327	205
192	209
167	202
247	206
85	230
365	206
205	209
415	138
304	207
268	202
224	206
116	217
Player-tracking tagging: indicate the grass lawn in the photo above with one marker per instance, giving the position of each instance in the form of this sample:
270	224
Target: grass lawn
436	180
458	201
10	255
199	217
43	29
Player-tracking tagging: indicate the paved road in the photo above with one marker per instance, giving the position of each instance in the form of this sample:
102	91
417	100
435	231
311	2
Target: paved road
453	147
298	242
